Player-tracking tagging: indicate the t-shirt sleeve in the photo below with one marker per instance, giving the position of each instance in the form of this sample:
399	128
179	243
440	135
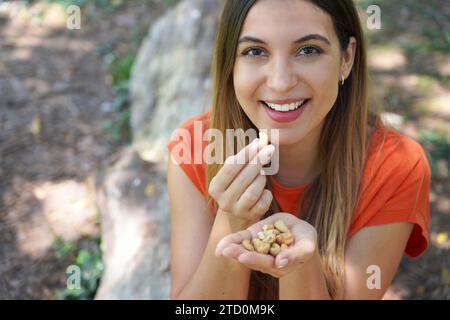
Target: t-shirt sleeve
401	195
182	151
410	203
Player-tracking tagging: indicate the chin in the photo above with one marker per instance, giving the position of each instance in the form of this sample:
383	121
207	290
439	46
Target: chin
289	138
290	141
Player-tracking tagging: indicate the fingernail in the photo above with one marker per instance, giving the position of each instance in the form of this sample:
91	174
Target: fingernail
283	263
254	145
219	248
226	253
267	154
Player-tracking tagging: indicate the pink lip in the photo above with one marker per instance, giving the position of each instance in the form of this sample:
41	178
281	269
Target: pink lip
285	116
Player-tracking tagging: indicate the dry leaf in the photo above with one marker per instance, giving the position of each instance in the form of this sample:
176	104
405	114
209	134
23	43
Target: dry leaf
36	126
442	237
150	190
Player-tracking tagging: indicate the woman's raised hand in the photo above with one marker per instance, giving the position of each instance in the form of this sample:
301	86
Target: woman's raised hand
239	188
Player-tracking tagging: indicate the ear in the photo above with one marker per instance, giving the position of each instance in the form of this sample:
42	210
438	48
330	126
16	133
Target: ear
348	57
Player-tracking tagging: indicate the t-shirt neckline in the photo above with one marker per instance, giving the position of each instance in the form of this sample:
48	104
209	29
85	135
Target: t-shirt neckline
294	189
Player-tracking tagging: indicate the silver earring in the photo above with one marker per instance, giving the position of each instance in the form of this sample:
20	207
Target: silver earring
342	80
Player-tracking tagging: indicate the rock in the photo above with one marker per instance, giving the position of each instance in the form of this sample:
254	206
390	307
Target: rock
171	77
168	85
133	204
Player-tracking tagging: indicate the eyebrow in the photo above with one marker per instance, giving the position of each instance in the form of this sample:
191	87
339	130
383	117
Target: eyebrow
308	37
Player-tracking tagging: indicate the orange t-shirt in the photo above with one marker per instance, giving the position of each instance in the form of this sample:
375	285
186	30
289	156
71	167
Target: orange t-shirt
395	183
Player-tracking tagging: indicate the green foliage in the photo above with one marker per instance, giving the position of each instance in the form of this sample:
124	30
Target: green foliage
120	69
119	129
61	247
438	39
91	267
438	149
433	34
67	3
171	3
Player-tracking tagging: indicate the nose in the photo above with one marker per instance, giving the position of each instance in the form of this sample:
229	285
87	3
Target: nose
281	76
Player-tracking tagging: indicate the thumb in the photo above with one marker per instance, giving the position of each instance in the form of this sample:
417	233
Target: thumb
301	252
281	262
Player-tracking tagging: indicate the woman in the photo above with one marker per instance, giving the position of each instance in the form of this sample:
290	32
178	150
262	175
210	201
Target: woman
353	192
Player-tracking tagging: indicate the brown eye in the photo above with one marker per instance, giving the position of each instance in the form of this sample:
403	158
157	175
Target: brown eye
253	52
310	50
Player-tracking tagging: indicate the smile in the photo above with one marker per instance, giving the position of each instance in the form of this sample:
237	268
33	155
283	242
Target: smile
286	112
285	107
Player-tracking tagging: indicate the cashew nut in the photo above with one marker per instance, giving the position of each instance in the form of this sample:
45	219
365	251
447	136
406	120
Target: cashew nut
271	239
285	238
260	246
263	139
281	226
248	245
275	249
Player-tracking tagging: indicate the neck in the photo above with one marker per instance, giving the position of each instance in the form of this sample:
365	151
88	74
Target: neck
299	162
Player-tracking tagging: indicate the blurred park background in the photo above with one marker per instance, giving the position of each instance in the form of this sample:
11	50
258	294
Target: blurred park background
66	124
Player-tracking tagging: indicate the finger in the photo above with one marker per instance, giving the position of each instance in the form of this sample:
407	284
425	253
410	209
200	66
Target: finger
234	238
250	171
246	154
232	166
233	250
265	265
252	194
266	154
261	207
302	250
256	260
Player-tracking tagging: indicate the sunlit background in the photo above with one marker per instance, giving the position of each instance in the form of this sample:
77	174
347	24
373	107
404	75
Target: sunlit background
65	120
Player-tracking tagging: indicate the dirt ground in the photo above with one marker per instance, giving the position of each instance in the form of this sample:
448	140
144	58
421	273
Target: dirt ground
56	98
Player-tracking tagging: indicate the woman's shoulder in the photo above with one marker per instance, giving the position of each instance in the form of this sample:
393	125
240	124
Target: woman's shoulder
395	164
202	119
395	187
188	136
186	148
392	149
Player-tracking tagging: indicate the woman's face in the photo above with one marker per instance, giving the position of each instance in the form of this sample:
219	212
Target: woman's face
288	58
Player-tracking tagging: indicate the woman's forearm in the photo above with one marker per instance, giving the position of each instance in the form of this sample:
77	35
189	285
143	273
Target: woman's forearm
218	277
307	282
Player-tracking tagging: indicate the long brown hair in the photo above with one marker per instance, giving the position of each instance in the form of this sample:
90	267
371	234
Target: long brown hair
330	200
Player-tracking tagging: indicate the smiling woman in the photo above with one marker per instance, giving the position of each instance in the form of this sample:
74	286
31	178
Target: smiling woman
353	192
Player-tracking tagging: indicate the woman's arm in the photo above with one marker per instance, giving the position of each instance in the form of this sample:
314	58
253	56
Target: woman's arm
372	249
369	250
307	282
196	272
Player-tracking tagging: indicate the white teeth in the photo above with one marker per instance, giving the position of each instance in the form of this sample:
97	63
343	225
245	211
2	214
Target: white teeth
285	107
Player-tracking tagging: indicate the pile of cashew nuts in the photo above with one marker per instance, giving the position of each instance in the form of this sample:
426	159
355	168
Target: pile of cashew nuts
271	239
